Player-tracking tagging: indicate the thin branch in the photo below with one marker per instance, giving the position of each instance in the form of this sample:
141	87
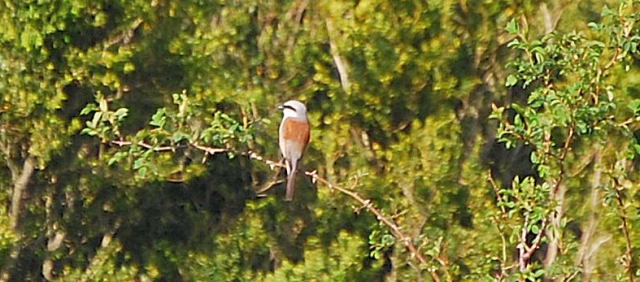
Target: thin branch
628	121
147	146
616	54
367	204
6	148
527	251
497	191
260	192
522	259
341	63
567	143
209	150
557	197
499	223
572	275
628	264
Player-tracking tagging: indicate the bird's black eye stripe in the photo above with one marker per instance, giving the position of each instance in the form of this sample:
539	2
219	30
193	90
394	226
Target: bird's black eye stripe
289	107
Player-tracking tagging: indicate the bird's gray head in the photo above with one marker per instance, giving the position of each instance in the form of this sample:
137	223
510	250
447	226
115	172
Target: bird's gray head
293	108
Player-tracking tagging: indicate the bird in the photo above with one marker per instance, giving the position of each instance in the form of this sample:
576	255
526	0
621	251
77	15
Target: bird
294	136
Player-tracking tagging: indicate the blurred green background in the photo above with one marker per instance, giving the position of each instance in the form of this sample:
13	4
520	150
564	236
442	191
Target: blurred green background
399	95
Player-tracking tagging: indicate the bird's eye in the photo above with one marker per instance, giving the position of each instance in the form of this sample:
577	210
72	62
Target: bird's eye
289	107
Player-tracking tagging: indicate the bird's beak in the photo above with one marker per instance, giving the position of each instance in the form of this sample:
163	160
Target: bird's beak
281	107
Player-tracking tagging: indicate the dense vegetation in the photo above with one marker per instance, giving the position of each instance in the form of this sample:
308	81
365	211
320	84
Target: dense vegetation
451	140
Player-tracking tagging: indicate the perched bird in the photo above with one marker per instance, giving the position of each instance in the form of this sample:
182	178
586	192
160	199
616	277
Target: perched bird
294	137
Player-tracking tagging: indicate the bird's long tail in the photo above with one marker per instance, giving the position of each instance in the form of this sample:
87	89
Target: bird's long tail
291	181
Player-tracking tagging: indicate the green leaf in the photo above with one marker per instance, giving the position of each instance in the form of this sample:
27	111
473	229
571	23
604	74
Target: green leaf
117	157
159	118
121	113
512	27
88	131
91	107
179	136
139	163
388	240
519	109
594	26
96	119
535	229
534	158
496	112
514	43
511	80
517	121
634	105
606	11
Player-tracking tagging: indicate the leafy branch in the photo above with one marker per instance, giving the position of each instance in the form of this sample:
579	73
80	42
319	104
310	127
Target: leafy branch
172	133
568	101
367	204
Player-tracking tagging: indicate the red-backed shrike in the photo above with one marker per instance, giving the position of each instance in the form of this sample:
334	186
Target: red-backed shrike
294	137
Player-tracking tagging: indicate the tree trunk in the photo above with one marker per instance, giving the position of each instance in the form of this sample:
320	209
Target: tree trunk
19	187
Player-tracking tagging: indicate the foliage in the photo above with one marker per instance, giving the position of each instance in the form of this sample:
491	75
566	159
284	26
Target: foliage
572	108
135	139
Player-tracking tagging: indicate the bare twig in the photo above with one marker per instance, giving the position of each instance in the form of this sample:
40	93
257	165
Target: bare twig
367	204
146	146
628	121
499	222
209	150
275	180
395	229
497	191
525	250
